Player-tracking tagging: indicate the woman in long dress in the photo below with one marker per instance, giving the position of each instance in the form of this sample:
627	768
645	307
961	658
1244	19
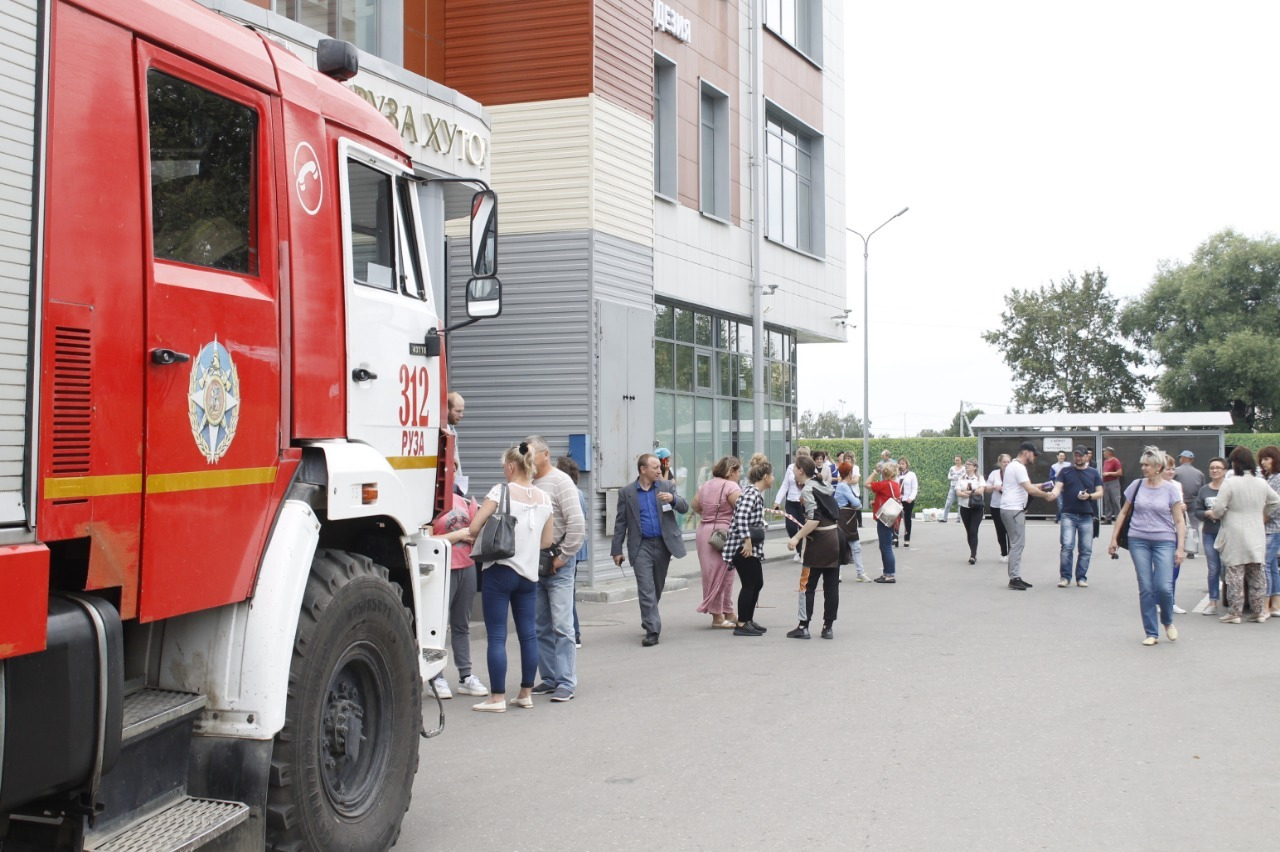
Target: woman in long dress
714	504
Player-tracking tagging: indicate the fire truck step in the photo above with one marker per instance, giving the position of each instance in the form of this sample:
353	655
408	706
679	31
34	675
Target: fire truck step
186	825
148	709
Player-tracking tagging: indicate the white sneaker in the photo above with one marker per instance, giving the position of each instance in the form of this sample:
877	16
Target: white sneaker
1177	610
796	557
863	578
1211	608
1062	584
442	687
472	686
1004	559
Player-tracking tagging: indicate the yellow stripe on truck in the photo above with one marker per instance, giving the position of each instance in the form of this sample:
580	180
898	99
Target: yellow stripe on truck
411	462
73	487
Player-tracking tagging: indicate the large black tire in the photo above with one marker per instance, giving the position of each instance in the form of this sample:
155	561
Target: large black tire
342	768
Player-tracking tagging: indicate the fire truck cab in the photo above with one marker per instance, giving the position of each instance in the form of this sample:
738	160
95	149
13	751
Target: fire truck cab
222	386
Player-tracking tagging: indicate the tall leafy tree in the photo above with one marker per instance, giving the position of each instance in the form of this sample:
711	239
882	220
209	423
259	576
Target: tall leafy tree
1213	325
1065	348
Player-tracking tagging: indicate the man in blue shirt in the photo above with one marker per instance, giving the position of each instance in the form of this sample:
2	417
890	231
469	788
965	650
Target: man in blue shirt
647	523
1076	488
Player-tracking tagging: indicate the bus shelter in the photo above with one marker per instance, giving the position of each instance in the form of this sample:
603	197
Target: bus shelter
1201	432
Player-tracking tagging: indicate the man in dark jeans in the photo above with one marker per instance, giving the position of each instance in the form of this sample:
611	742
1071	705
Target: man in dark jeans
1077	488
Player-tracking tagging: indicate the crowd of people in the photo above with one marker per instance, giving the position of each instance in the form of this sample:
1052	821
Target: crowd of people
1232	516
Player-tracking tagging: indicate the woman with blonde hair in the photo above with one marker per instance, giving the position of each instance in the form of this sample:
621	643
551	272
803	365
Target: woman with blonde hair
714	504
1157	532
512	583
969	487
884	486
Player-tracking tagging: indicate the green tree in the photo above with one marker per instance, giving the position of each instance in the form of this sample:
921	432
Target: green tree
957	429
1066	350
829	424
1211	324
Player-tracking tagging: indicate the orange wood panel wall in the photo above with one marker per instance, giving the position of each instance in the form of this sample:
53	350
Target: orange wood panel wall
500	52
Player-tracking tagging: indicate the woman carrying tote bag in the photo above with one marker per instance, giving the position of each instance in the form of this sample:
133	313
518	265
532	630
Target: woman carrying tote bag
884	485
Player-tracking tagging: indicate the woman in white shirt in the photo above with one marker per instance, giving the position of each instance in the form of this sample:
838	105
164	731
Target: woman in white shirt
995	485
513	582
910	488
969	490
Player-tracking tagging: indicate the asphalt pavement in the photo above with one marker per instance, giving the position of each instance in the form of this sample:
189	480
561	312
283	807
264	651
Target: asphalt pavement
949	712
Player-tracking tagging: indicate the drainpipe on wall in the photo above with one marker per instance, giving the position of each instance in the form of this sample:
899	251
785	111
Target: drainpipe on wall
757	226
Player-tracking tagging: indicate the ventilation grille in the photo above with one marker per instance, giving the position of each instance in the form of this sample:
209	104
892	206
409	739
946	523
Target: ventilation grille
72	401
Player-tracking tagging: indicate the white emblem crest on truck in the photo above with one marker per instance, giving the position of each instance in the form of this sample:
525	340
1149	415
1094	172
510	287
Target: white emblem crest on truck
214	401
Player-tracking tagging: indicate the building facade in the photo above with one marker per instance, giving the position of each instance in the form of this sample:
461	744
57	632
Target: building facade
672	219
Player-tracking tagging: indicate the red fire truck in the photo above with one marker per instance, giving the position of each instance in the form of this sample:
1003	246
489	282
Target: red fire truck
222	381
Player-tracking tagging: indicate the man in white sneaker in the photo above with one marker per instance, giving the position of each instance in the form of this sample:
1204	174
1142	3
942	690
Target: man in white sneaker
557	654
1018	490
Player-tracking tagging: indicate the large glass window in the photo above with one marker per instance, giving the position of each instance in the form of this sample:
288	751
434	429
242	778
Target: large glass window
713	163
203	170
355	21
798	23
705	405
665	173
793	213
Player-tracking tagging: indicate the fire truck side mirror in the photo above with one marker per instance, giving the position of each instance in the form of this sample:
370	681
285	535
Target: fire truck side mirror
484	298
484	235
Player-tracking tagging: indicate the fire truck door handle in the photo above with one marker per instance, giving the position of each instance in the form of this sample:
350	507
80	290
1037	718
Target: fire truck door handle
164	357
360	374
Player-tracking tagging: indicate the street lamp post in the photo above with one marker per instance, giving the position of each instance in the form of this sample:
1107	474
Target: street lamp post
866	352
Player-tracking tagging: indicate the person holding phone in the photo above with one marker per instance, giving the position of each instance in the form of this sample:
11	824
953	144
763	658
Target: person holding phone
1076	488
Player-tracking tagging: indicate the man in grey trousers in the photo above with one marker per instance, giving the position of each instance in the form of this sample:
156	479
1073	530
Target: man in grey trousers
1018	490
647	522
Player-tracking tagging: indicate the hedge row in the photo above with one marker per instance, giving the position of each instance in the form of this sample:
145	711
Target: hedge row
931	458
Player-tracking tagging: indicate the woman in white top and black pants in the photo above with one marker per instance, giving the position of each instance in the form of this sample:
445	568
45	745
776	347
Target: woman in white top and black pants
513	582
910	488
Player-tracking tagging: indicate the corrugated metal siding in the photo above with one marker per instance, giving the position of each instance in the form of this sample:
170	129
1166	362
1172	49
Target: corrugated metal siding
499	52
622	173
541	167
527	371
18	108
622	270
624	54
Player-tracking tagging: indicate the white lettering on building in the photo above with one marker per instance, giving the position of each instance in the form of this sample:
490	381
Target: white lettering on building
668	20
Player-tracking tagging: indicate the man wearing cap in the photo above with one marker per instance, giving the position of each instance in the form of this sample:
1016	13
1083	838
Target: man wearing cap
1192	480
1076	487
1112	470
1018	490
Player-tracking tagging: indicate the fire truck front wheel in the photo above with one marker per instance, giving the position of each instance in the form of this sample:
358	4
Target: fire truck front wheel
342	768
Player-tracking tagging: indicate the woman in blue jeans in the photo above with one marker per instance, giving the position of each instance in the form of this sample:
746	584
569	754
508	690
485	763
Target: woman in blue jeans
884	484
1209	529
1269	461
1157	533
513	582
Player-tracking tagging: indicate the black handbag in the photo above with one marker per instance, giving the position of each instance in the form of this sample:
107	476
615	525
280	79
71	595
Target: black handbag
497	539
1122	532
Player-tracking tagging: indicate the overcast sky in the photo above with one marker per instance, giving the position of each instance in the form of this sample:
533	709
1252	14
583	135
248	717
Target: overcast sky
1031	140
